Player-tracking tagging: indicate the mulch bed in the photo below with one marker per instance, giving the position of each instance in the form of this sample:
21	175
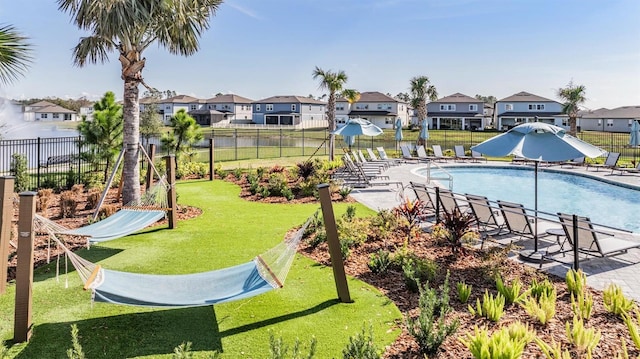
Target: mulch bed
473	267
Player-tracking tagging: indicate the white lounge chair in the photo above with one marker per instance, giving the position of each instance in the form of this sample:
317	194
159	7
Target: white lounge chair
477	156
609	163
437	153
459	153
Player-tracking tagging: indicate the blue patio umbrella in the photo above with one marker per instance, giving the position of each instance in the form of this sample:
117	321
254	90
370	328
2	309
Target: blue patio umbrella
634	137
355	127
398	132
349	140
424	131
538	141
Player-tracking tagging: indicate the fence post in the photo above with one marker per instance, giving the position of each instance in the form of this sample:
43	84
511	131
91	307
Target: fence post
303	141
172	198
257	143
334	244
79	173
24	269
152	155
576	259
212	167
38	166
235	137
280	141
437	205
6	196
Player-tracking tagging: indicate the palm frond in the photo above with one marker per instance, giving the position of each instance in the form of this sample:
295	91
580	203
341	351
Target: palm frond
15	54
92	49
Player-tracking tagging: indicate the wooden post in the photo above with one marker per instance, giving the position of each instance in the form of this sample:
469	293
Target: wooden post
576	253
152	155
6	216
171	178
212	166
334	244
24	270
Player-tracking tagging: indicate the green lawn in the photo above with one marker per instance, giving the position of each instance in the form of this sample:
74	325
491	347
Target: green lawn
230	231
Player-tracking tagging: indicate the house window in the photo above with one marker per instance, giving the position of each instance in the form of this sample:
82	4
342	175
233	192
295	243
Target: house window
508	107
388	120
629	122
44	115
293	107
401	107
447	107
193	107
268	107
599	122
473	107
362	107
565	122
167	107
56	115
540	106
257	107
310	107
536	106
340	107
209	107
609	123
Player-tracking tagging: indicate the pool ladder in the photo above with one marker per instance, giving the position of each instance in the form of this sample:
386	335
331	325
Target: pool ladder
448	177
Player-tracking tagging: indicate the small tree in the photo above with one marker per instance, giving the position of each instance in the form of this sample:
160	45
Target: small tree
573	97
186	132
19	171
150	122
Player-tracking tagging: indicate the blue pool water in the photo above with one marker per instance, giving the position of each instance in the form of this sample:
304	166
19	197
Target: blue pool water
604	203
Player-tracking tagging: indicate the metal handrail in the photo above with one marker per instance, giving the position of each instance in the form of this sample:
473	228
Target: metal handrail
448	178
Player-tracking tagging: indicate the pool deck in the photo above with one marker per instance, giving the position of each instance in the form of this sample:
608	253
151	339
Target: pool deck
622	269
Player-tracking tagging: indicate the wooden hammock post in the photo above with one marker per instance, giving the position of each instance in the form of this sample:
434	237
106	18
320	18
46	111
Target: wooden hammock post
211	159
152	155
6	196
171	178
334	244
24	269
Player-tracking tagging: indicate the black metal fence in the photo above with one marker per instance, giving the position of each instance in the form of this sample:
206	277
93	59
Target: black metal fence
56	162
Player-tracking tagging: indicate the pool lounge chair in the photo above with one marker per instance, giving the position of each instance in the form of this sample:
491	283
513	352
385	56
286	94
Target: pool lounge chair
422	154
635	169
576	162
437	153
591	241
610	163
477	156
388	161
362	160
421	192
460	155
407	156
519	160
488	218
516	219
449	202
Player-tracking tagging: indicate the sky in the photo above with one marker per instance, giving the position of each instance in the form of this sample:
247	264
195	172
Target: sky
258	49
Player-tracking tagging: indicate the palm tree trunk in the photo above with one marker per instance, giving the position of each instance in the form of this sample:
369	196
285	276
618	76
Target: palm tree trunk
573	128
131	138
331	114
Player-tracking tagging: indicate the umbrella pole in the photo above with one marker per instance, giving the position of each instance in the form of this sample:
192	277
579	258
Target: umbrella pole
535	241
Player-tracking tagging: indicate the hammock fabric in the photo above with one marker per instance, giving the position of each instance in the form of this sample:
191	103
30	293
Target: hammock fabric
120	224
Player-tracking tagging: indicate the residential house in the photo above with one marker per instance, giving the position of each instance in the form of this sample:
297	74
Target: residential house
170	106
380	109
615	120
524	107
47	111
457	111
297	111
224	110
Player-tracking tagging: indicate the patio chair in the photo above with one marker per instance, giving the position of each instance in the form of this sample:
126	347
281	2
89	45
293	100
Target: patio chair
519	160
591	241
362	160
437	153
449	202
388	161
358	178
488	218
576	162
610	162
635	169
422	154
407	156
516	219
477	156
459	153
421	192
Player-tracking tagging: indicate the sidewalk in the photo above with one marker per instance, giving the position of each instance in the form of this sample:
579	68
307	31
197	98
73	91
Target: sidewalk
622	269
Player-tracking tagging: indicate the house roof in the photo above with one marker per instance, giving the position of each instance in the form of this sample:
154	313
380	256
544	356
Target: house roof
372	113
180	99
52	109
372	96
457	98
206	112
291	99
228	98
531	114
147	100
454	114
626	112
525	97
42	104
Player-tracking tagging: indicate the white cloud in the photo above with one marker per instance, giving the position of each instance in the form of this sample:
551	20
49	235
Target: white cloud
245	11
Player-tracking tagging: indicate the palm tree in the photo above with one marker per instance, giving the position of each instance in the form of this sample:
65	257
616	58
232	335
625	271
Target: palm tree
573	96
128	28
332	81
15	54
421	91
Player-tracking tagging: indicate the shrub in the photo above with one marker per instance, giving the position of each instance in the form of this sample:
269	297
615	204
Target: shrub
582	305
458	225
107	210
583	339
464	291
345	248
576	281
70	178
430	329
537	289
542	308
410	212
19	170
344	192
92	179
417	270
278	184
553	351
45	198
355	230
93	197
75	352
634	332
279	350
238	173
319	237
306	169
511	293
379	261
68	204
193	169
615	301
506	343
361	346
491	307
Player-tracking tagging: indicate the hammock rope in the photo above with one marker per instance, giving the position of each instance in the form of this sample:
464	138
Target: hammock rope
265	272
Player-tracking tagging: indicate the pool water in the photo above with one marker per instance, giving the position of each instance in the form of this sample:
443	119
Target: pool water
604	203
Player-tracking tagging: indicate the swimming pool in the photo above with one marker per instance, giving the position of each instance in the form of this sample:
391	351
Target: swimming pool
604	203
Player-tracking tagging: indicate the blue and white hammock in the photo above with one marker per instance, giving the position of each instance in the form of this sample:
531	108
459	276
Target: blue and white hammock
264	273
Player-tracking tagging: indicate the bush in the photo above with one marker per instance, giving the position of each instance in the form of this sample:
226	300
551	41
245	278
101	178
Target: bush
107	210
361	346
506	343
576	281
537	289
490	308
93	197
511	293
583	339
615	301
192	169
344	192
418	270
279	350
379	261
542	308
582	305
45	198
464	291
19	170
68	204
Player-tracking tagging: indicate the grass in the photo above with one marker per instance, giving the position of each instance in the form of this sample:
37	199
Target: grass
230	231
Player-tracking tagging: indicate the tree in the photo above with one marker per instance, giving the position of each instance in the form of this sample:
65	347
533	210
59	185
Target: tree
573	97
128	28
104	133
333	82
403	96
186	132
15	54
487	99
150	122
421	91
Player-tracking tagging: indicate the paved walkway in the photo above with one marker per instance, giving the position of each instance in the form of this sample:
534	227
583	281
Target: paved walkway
622	269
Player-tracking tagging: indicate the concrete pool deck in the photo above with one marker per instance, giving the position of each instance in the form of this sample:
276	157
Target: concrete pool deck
622	269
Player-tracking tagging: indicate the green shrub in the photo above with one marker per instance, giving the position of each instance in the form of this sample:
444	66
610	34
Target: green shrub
506	343
576	281
3	350
345	247
418	270
430	328
319	237
279	350
537	289
583	339
75	352
511	293
582	305
193	169
553	351
632	325
615	301
491	307
306	169
384	223
543	308
19	170
344	192
464	291
379	262
361	346
238	173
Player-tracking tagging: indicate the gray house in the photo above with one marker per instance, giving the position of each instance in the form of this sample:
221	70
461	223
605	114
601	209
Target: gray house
524	107
380	109
616	120
298	111
223	110
457	111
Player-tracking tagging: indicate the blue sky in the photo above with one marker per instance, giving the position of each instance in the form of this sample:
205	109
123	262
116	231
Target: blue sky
258	48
